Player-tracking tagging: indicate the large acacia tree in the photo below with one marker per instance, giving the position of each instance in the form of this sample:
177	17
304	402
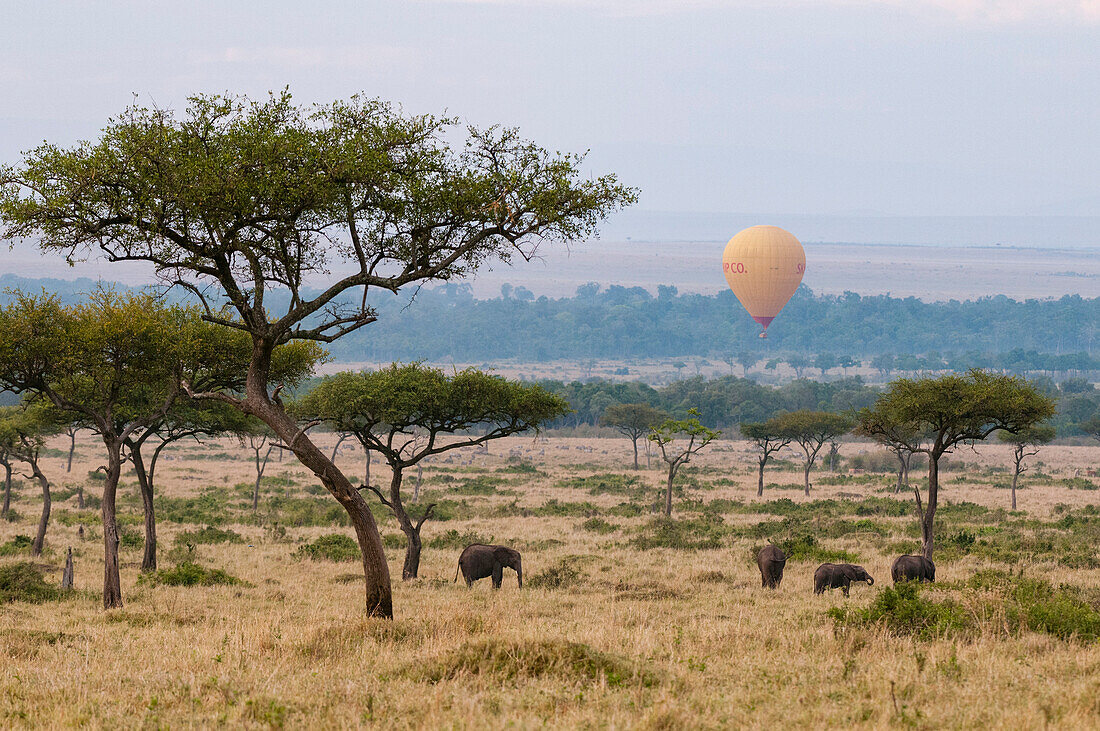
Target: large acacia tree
117	362
291	215
409	412
934	415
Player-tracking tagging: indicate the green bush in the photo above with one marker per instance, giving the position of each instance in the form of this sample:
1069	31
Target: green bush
331	547
553	506
560	576
701	533
17	545
805	547
902	610
606	483
189	574
23	582
209	534
599	525
453	539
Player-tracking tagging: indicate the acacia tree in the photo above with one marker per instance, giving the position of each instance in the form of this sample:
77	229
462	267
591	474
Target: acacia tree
810	430
1025	444
678	441
22	435
769	437
71	431
9	439
404	411
242	201
1092	427
117	361
934	415
186	418
262	441
634	421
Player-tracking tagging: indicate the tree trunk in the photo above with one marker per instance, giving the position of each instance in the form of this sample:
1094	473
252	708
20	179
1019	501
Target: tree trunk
1015	478
80	498
67	574
929	516
337	447
760	479
44	521
260	467
668	491
367	469
901	472
112	586
72	448
145	484
806	476
7	490
419	479
376	573
635	441
411	567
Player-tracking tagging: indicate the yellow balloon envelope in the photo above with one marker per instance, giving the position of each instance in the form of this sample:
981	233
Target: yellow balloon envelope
764	266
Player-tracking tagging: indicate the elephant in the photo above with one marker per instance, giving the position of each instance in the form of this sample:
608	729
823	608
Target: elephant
913	568
771	561
478	561
832	575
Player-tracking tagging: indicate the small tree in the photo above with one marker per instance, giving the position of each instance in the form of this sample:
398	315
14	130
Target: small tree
678	441
1025	444
747	359
261	440
769	437
1092	427
403	412
634	421
22	435
934	415
185	419
811	429
825	362
71	431
9	440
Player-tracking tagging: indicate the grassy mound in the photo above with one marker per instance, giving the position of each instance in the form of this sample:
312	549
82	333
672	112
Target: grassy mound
503	661
23	582
561	576
333	547
209	534
189	574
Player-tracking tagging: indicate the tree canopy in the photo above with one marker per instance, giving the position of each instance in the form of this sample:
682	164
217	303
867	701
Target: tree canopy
633	421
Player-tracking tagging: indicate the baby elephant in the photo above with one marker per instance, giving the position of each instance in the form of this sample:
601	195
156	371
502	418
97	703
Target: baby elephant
478	561
913	568
832	575
771	561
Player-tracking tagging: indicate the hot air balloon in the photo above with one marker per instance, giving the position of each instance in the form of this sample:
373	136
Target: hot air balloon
763	266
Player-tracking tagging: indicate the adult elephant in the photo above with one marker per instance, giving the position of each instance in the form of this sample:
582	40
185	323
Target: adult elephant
839	575
771	561
912	568
479	560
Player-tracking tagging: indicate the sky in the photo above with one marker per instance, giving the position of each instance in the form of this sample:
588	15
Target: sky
828	107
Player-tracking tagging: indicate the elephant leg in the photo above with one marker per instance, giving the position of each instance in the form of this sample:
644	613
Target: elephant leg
498	576
844	587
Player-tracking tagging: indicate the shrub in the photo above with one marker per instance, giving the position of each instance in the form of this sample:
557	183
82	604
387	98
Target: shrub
691	535
189	574
453	539
23	582
606	483
209	534
17	545
553	506
804	547
331	547
902	610
481	485
599	525
561	576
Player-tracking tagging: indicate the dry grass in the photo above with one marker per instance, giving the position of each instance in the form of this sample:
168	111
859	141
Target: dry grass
655	638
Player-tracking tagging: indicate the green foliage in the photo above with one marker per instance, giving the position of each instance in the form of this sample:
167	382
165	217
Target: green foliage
453	539
599	525
481	485
17	545
805	547
331	547
606	483
209	534
23	582
562	575
684	534
1007	602
189	574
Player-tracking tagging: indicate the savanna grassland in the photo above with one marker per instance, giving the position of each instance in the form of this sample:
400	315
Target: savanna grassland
625	620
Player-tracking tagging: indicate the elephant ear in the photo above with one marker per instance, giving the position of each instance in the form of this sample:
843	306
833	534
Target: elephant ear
854	572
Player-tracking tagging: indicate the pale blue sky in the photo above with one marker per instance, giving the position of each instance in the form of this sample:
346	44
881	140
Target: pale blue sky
915	107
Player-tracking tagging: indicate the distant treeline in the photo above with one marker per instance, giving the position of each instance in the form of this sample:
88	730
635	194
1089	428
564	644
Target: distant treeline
447	324
726	402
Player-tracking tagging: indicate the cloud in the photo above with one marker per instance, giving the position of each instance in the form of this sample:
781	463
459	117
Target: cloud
970	11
